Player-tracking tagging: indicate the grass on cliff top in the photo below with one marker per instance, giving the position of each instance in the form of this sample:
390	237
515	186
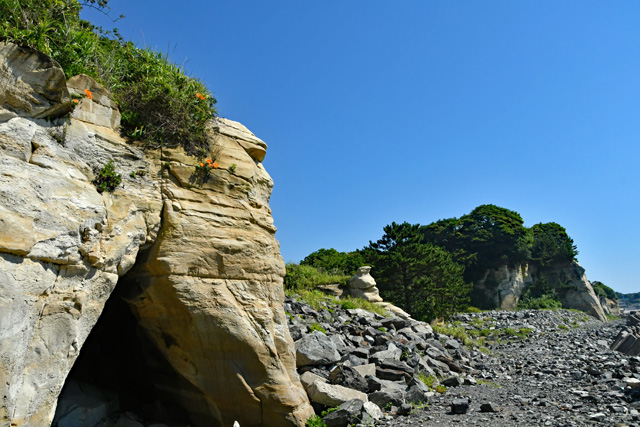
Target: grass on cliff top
160	104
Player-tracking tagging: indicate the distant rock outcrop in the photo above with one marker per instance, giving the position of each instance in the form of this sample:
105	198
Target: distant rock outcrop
200	261
502	288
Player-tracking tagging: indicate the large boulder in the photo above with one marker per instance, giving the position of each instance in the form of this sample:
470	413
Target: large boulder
316	349
333	394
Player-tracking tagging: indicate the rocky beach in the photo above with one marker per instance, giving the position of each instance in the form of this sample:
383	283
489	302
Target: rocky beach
533	367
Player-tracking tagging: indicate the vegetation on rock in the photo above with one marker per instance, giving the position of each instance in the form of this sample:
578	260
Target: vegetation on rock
107	179
429	271
160	104
334	262
603	290
301	276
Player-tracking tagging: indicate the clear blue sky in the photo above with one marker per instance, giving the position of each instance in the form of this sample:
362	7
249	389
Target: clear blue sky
420	110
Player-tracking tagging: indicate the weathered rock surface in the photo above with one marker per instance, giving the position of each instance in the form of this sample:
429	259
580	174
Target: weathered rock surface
207	283
209	292
31	84
502	288
62	248
100	109
362	285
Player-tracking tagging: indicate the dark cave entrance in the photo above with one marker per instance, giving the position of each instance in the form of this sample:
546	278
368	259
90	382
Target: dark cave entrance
115	372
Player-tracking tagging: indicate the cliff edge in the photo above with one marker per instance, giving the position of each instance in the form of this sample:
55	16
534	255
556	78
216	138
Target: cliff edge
198	257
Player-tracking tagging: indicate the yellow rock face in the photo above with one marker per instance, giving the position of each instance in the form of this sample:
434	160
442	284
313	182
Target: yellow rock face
210	293
199	253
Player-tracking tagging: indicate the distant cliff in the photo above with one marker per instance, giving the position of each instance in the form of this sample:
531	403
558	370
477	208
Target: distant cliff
508	263
190	246
504	287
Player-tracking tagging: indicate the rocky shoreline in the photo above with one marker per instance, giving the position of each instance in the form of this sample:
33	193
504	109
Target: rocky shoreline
549	368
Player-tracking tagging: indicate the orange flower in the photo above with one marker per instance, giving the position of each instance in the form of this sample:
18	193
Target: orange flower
209	161
215	165
75	101
200	96
201	165
89	94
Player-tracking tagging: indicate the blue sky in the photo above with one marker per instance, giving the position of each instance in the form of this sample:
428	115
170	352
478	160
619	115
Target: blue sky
420	110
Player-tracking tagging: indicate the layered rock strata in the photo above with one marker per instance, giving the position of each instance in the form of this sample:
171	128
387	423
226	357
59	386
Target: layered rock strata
209	292
207	286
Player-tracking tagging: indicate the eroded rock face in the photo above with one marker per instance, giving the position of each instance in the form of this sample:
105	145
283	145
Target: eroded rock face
209	280
31	84
362	285
503	287
62	248
209	293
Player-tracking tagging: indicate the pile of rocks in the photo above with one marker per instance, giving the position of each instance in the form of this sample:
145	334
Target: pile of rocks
347	354
628	340
550	368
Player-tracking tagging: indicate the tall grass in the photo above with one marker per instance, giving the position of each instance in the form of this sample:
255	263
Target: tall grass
160	104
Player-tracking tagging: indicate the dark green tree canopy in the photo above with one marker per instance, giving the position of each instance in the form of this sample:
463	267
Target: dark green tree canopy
483	239
551	244
334	262
603	290
419	277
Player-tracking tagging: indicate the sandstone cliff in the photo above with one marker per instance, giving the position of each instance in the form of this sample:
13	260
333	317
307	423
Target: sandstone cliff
200	259
502	288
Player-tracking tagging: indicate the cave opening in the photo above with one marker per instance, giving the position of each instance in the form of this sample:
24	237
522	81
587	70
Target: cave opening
113	380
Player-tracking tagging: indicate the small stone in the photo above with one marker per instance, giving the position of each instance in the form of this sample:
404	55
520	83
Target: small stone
460	406
489	407
452	381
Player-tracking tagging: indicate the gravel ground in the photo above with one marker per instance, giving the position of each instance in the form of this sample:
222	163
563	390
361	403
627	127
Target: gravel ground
566	377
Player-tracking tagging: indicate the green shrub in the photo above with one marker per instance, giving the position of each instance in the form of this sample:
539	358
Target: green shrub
428	380
525	332
315	421
316	299
317	327
510	332
159	103
307	277
472	309
545	302
106	178
364	305
347	304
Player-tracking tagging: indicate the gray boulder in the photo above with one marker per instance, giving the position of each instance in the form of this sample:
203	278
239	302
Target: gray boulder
347	413
316	349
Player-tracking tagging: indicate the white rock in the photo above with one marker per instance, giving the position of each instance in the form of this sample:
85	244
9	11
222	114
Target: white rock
333	395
